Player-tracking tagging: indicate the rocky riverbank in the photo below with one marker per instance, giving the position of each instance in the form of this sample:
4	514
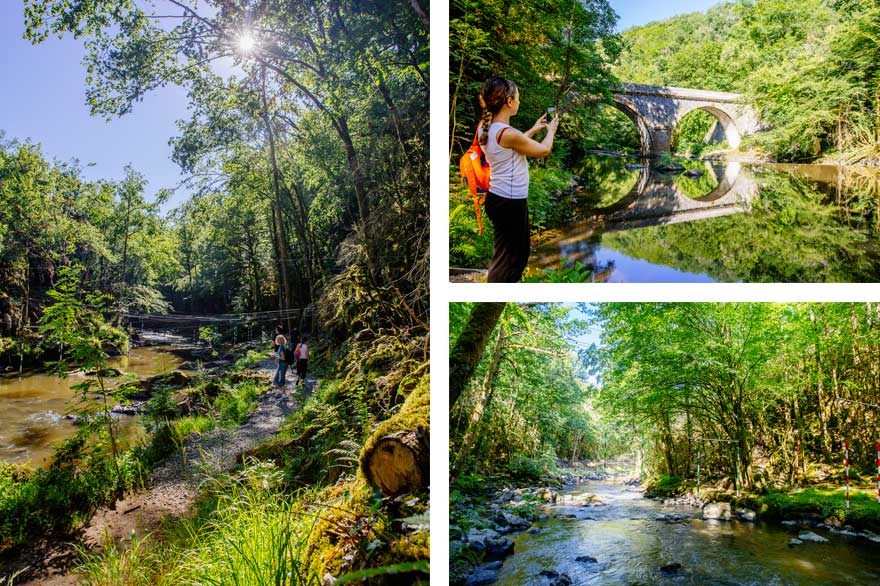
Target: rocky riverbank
483	526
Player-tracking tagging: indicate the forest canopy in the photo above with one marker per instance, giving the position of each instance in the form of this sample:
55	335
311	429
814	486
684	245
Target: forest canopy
308	163
786	383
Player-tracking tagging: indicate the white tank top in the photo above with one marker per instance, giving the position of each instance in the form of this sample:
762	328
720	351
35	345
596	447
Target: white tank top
509	170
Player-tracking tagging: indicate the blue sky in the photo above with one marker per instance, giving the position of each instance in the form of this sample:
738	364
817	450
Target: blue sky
638	12
43	99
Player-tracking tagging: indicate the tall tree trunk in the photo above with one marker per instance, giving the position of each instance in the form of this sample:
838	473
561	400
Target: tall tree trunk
484	399
469	346
279	218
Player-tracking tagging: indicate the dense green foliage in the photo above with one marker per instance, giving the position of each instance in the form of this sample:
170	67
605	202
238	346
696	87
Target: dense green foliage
558	53
289	158
50	217
809	67
308	170
524	406
789	383
58	499
777	388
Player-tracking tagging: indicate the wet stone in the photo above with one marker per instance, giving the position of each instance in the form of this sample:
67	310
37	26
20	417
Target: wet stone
482	577
562	580
747	515
719	511
812	537
498	549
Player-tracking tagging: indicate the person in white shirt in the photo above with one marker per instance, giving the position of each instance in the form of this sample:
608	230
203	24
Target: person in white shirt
302	359
506	149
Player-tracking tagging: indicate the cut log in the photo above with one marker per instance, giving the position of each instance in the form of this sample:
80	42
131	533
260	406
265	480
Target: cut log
395	457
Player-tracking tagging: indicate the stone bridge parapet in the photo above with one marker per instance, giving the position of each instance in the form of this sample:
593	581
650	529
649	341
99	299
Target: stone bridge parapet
656	110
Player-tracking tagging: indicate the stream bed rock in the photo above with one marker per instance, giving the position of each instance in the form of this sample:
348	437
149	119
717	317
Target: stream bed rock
719	511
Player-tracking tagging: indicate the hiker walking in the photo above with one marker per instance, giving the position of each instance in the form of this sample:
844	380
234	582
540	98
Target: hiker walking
506	149
302	359
280	380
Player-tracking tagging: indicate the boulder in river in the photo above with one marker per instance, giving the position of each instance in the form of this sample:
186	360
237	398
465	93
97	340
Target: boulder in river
744	514
672	518
587	559
515	522
556	579
811	537
670	569
548	496
719	511
484	575
498	548
477	538
669	167
795	541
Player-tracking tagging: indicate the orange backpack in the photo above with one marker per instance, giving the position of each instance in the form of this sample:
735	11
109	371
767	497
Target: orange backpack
475	174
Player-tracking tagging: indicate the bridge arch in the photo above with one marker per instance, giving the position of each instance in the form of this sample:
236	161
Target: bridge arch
728	124
656	110
632	112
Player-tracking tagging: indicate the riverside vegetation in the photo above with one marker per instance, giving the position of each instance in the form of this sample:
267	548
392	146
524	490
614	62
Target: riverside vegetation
806	68
309	208
761	396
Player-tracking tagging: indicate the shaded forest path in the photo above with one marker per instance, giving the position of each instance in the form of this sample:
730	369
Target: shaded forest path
172	491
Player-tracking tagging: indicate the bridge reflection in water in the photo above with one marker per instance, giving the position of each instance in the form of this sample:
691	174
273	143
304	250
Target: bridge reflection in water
656	199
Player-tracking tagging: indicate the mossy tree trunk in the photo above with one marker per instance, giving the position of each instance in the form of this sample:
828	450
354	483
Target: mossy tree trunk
395	457
469	346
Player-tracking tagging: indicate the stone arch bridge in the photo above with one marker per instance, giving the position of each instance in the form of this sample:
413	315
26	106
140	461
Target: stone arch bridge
656	110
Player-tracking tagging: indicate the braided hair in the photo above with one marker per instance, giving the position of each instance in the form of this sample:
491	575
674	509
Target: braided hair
494	94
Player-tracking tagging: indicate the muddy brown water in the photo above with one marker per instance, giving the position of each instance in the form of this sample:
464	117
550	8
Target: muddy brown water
33	406
631	543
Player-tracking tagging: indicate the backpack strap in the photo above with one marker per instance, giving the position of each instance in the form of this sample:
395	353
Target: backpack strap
500	134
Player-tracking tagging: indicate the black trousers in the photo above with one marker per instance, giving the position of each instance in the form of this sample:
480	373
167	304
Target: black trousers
302	365
512	244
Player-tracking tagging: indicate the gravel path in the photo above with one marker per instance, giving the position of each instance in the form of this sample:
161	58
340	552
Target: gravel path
174	486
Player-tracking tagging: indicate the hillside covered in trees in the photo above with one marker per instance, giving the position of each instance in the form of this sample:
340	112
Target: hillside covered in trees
808	68
757	405
307	160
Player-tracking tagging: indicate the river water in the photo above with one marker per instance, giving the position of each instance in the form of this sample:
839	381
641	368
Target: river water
731	223
631	545
33	406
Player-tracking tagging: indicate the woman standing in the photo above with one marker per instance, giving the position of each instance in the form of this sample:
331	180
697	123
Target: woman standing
280	380
506	149
302	360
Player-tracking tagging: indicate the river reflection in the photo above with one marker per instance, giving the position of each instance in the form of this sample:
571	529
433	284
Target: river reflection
719	222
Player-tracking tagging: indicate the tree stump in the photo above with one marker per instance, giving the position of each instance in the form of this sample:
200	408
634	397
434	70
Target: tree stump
395	457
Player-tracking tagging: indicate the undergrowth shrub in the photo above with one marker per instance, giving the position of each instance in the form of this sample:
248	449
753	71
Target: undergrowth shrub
665	486
57	499
234	403
532	468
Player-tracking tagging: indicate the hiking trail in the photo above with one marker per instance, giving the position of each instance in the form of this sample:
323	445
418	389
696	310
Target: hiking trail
172	490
